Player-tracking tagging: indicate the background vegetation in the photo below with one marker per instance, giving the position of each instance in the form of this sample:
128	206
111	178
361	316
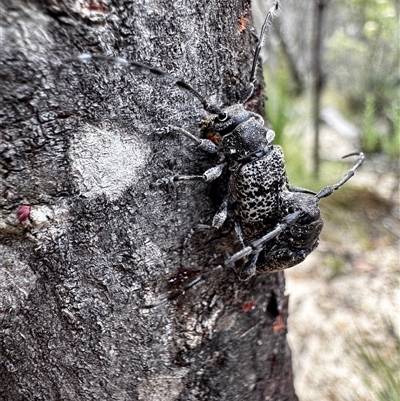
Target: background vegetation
359	110
360	68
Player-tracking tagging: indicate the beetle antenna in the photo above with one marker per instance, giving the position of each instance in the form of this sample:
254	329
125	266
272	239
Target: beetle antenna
327	191
272	12
207	105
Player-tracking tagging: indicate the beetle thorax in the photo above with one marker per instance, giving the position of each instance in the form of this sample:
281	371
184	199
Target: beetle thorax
239	133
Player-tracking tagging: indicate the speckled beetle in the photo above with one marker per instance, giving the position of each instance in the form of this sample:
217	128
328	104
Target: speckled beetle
277	224
285	242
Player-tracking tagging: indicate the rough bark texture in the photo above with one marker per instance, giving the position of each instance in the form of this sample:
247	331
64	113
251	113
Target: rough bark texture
79	154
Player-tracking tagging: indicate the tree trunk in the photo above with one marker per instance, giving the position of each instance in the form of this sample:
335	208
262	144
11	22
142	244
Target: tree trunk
318	79
86	240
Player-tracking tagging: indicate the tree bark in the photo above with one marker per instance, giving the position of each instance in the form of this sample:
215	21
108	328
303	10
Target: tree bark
318	78
86	240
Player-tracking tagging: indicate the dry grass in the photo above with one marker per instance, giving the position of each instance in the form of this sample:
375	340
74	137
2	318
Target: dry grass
342	298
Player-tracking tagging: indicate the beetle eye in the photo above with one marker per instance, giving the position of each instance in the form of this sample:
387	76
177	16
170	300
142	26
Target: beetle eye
222	117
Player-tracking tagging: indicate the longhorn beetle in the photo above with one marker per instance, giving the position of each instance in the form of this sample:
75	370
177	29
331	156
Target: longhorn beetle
278	225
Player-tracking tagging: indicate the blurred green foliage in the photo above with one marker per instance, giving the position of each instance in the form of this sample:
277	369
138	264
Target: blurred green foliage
372	140
361	57
278	110
287	114
362	60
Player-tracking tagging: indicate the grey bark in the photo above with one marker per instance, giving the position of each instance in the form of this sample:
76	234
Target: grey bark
79	153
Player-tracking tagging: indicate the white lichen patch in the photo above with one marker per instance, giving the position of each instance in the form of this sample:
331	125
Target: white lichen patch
106	162
16	280
46	222
41	215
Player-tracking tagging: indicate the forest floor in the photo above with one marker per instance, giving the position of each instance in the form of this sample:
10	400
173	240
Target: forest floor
344	299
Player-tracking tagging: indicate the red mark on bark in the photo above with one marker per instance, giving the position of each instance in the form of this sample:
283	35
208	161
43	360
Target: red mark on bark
96	6
243	23
279	323
247	306
23	212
